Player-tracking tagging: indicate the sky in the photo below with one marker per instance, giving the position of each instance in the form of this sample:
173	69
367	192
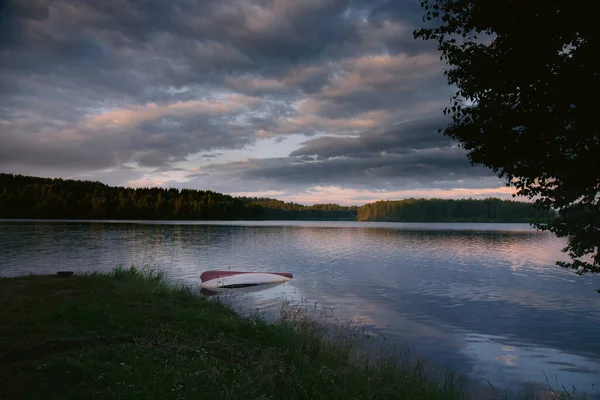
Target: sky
309	101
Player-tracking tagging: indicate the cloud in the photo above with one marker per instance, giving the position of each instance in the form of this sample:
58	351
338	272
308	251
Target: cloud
132	116
397	139
408	155
182	90
427	167
149	135
354	93
211	155
122	50
381	81
127	45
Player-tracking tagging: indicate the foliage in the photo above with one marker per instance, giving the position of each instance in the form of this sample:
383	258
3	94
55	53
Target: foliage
31	197
278	210
130	335
438	210
526	75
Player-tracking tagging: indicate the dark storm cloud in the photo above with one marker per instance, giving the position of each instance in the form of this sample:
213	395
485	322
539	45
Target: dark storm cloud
408	154
424	167
399	139
283	30
170	43
14	14
124	46
433	168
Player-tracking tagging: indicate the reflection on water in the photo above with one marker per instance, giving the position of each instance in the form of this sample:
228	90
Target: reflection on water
483	299
522	358
239	291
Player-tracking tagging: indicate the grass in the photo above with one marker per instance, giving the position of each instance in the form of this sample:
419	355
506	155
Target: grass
129	334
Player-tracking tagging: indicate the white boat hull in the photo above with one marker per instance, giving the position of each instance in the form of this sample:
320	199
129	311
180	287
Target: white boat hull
244	279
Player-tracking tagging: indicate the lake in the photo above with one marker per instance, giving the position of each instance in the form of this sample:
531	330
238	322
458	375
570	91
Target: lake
484	300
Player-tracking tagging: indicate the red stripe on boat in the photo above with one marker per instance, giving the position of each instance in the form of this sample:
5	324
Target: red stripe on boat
210	275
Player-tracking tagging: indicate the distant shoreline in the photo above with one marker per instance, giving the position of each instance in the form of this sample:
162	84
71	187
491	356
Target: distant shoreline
25	197
225	221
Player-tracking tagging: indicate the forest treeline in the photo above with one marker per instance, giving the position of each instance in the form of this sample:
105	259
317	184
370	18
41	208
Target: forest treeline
34	197
447	210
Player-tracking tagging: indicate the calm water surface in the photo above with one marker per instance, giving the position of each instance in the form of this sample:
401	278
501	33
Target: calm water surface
484	300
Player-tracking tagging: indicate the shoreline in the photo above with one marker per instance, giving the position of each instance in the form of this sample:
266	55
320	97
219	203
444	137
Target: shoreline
517	227
132	334
224	221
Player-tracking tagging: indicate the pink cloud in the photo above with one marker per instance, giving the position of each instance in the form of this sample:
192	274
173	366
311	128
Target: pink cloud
333	194
400	71
130	116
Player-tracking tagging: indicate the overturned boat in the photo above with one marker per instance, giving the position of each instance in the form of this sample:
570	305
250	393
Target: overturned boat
237	279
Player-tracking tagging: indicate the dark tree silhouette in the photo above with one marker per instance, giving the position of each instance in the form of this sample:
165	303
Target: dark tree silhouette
446	210
32	197
525	106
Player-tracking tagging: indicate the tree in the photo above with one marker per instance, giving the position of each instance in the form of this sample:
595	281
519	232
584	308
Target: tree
525	107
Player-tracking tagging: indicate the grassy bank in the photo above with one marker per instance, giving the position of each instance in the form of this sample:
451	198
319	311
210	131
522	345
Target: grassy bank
129	335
